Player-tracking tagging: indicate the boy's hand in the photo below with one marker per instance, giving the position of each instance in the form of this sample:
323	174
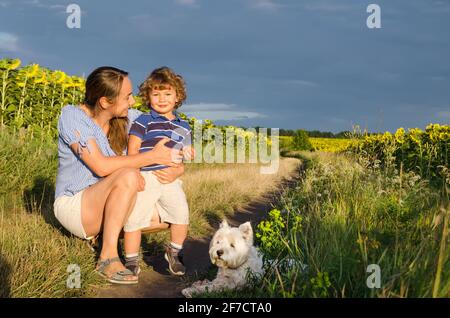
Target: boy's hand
188	152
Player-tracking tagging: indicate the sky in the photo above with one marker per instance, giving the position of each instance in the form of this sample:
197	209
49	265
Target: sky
290	64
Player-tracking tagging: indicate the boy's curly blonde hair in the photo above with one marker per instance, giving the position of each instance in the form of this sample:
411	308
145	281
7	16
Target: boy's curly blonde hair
160	79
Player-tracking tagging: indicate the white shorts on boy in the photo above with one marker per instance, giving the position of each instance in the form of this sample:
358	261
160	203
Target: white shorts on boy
169	198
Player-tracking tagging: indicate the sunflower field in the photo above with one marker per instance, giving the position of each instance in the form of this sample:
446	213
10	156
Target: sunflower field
31	98
423	151
319	144
330	144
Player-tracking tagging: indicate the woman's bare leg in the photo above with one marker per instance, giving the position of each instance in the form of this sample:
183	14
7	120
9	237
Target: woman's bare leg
109	203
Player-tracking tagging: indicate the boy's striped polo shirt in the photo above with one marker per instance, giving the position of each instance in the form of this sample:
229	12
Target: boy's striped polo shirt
152	127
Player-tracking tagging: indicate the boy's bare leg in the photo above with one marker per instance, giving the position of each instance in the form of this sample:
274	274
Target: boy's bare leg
132	242
178	233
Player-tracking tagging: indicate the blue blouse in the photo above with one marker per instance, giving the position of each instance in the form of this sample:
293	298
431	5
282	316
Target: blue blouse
75	126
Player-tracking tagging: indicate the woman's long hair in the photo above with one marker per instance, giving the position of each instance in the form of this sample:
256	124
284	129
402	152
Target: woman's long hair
106	81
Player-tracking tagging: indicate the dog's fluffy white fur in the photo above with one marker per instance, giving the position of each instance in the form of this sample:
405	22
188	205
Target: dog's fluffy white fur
232	250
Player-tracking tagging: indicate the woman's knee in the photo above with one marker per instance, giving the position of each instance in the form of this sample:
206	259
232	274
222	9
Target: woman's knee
128	178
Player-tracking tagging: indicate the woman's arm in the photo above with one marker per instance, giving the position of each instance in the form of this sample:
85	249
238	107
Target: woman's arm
103	165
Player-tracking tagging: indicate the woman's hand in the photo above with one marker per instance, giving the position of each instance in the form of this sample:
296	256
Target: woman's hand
170	174
164	155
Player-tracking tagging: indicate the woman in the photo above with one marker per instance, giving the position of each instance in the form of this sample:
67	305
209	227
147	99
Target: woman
96	185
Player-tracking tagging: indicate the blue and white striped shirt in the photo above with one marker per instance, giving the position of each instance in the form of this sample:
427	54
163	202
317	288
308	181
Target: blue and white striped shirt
152	127
75	126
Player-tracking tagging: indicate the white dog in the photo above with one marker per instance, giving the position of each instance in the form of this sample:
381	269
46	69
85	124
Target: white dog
232	250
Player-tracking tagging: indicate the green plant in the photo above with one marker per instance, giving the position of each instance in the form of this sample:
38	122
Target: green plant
301	141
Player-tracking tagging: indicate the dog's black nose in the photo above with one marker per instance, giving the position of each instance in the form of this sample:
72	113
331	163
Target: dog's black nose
219	253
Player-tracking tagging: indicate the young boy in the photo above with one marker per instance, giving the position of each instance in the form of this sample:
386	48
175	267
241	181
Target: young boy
164	91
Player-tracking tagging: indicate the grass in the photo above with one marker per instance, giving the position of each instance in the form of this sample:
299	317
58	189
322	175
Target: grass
344	216
35	251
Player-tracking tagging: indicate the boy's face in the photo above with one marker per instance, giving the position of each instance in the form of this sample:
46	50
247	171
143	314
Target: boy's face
163	100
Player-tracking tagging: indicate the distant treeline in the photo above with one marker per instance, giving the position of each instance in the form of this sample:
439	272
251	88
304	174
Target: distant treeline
316	133
312	133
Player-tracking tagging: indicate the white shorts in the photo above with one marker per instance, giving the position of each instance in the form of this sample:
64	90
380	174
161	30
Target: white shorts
169	198
68	212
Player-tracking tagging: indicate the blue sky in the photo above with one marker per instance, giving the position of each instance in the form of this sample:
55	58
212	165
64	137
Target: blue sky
281	64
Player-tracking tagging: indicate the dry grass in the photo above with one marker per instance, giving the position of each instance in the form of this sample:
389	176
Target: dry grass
34	257
216	190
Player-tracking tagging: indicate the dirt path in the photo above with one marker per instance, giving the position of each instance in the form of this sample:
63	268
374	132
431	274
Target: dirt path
157	282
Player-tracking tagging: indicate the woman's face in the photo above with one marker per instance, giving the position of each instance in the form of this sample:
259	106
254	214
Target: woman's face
125	99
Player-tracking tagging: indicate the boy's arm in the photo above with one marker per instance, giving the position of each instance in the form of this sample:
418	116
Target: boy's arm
134	143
